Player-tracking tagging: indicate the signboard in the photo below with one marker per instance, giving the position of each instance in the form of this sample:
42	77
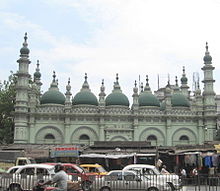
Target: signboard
37	153
64	152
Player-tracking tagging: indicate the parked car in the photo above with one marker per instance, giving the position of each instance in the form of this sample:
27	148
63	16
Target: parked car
151	171
13	169
128	180
25	177
95	169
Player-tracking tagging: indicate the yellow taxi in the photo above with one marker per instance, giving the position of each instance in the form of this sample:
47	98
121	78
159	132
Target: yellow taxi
95	169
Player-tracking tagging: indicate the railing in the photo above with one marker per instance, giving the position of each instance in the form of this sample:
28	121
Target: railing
11	182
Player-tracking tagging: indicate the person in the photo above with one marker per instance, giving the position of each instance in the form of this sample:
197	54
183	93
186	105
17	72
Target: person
195	175
183	175
164	170
60	178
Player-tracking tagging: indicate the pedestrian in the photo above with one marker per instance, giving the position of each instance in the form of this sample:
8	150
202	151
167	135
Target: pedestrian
183	175
60	178
164	170
195	175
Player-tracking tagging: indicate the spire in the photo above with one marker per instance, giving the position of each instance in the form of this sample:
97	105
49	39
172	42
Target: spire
85	86
37	74
147	87
24	50
176	87
68	93
207	58
135	89
54	84
142	87
184	78
117	87
102	94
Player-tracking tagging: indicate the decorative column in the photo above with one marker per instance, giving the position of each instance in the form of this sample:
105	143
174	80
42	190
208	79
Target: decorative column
135	108
102	112
67	108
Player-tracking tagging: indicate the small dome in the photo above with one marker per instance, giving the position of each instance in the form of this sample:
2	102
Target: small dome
179	100
184	80
85	97
37	74
117	98
207	58
52	96
24	50
148	99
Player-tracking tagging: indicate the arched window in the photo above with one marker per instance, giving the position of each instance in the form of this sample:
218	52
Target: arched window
152	139
184	139
49	136
84	139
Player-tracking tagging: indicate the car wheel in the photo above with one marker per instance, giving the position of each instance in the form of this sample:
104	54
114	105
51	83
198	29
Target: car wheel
15	188
152	189
105	189
86	186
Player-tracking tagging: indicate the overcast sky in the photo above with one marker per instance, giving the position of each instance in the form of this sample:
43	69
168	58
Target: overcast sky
105	37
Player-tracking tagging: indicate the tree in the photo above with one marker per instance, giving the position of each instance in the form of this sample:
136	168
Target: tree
7	103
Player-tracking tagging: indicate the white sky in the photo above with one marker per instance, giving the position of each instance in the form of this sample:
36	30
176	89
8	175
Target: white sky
105	37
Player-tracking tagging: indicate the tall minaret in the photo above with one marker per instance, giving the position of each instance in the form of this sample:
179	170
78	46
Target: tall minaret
209	97
21	103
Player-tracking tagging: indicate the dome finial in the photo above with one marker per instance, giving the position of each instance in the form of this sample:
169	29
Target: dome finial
176	80
142	87
102	81
86	77
147	80
37	74
54	76
183	69
117	78
207	47
135	83
69	81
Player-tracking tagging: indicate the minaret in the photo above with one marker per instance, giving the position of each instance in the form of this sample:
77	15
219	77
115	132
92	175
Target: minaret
21	104
209	97
184	87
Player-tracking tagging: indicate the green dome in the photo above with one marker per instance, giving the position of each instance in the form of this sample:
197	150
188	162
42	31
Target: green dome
179	100
85	97
148	99
52	96
116	98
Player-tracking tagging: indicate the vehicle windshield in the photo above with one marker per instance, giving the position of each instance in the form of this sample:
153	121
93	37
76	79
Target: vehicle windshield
101	169
79	168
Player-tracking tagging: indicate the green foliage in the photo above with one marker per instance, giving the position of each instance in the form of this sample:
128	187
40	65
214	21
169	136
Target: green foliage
7	102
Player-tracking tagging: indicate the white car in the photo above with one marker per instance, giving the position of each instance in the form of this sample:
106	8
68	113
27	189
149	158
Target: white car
128	180
25	177
151	171
13	169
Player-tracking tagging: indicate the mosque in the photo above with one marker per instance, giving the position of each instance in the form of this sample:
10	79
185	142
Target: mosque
167	117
